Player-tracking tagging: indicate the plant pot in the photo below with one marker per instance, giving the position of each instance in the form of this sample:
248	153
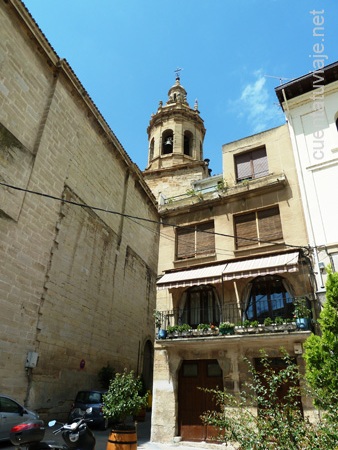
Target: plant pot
303	324
225	331
162	334
122	437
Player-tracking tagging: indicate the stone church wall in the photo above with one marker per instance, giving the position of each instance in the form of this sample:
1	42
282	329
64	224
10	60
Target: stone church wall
77	284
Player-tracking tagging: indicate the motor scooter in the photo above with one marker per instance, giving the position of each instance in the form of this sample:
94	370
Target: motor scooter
77	435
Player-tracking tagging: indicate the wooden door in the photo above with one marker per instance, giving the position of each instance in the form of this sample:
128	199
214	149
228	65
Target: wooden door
192	402
278	364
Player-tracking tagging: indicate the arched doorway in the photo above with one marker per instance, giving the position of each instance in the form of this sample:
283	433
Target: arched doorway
148	363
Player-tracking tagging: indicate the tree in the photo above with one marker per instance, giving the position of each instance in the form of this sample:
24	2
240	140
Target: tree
124	397
321	352
278	424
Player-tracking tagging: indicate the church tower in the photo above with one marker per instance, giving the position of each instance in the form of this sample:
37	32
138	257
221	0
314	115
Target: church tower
175	135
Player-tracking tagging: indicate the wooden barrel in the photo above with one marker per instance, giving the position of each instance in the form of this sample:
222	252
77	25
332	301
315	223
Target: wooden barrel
122	440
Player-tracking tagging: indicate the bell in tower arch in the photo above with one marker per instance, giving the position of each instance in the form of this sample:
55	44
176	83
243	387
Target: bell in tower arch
168	142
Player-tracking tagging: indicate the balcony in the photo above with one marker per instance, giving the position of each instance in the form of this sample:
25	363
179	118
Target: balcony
277	315
270	182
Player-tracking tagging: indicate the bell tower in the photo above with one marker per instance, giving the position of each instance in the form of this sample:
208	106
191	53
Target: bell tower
175	135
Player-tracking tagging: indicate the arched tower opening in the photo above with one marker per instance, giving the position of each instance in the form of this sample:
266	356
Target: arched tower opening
167	142
188	143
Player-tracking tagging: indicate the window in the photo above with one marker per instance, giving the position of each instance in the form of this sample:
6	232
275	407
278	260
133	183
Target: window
9	406
151	149
167	142
195	240
200	306
269	298
263	225
251	165
187	143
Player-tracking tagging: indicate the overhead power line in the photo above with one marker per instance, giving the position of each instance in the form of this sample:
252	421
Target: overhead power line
144	219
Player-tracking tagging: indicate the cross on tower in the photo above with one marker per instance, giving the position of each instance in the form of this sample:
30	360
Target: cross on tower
177	71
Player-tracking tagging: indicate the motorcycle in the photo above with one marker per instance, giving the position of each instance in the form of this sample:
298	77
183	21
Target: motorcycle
77	435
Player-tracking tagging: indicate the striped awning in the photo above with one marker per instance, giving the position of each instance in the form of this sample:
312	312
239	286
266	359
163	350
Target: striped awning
192	277
266	265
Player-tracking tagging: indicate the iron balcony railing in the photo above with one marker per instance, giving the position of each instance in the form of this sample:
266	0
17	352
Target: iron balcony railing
257	310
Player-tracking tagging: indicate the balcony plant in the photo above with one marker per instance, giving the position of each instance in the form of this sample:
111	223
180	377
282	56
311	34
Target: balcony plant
268	321
203	327
302	313
207	329
184	329
226	328
124	398
279	321
158	319
172	330
161	332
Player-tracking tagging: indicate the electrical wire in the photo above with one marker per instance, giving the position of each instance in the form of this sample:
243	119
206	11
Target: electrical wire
144	219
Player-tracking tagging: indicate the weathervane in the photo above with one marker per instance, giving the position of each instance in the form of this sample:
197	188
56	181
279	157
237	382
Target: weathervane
177	71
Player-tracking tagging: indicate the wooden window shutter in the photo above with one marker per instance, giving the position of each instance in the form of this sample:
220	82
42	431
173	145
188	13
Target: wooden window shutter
260	163
252	164
245	227
243	166
269	224
205	238
185	243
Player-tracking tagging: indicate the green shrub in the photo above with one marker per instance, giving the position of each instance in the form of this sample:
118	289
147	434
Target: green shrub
278	425
124	397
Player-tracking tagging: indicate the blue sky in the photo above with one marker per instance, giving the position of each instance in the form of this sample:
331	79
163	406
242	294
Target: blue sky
232	54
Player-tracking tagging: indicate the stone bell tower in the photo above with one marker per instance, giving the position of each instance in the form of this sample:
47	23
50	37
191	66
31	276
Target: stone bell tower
175	134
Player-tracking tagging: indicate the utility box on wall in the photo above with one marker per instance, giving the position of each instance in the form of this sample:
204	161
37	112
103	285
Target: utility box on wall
32	360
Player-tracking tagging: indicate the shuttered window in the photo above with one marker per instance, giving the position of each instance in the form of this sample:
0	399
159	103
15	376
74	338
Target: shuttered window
195	240
251	165
264	225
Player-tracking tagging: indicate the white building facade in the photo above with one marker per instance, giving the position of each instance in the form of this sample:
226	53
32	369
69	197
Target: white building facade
310	104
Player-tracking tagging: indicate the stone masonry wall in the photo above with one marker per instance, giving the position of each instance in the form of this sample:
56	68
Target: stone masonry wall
77	284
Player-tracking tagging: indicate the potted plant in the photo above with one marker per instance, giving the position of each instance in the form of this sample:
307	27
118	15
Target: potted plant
184	329
226	328
246	323
302	313
279	320
123	399
172	330
268	321
161	333
203	327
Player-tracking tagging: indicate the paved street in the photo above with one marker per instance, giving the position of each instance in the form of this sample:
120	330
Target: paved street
143	440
